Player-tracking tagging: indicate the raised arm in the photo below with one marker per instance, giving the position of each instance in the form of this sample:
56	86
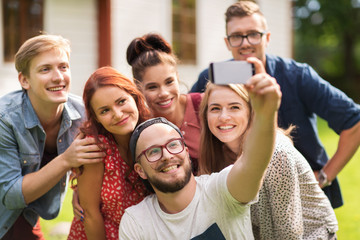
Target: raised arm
244	180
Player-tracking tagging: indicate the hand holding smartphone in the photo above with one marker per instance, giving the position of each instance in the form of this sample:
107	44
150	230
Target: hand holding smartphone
224	73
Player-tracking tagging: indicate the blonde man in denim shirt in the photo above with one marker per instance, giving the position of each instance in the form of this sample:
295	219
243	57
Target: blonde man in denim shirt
37	129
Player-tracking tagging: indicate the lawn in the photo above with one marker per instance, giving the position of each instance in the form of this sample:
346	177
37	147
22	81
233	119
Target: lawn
50	227
347	215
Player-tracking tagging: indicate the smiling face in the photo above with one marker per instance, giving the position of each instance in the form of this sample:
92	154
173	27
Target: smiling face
244	26
228	117
173	171
161	89
115	110
49	78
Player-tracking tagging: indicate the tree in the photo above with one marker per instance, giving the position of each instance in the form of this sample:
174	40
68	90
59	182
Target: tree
327	37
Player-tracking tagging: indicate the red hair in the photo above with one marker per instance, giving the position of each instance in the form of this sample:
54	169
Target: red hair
108	76
102	77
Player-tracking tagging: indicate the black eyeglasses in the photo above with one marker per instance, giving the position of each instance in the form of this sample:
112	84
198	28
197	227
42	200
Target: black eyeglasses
236	40
155	153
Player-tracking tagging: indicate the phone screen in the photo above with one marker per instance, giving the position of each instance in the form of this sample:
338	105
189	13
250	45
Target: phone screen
224	73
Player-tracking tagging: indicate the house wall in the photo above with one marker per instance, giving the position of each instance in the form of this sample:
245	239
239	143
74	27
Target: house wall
211	32
210	39
279	18
135	18
8	75
74	20
77	21
131	19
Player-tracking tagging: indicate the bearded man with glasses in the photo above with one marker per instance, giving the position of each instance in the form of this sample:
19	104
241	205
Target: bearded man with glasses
305	96
215	206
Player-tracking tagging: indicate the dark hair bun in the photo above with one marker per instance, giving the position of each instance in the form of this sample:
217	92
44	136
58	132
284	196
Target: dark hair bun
148	42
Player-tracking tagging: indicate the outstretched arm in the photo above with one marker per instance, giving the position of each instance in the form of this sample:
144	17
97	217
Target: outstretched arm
244	179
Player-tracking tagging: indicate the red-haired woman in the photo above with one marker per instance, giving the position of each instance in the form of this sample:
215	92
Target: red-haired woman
154	68
114	107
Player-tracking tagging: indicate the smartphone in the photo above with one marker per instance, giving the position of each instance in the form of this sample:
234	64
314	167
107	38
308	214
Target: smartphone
224	73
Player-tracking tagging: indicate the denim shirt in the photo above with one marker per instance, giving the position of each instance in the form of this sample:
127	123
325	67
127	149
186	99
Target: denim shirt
304	95
22	143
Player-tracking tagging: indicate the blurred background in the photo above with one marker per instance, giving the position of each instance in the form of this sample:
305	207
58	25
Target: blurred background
324	34
101	30
327	36
317	32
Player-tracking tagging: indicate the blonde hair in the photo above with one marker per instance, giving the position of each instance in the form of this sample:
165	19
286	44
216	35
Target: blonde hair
37	45
211	154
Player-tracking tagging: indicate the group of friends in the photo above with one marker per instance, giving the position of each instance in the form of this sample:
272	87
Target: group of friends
238	161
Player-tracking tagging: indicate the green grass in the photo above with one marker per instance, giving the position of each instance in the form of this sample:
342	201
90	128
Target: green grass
65	215
348	215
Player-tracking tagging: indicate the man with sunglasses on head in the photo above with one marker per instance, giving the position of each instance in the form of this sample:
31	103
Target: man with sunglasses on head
215	206
305	95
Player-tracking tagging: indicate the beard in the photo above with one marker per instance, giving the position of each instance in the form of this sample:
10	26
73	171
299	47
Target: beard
171	187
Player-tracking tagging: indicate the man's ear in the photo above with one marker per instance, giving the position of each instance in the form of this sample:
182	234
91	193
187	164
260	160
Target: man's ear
139	169
227	43
188	153
268	34
187	150
24	82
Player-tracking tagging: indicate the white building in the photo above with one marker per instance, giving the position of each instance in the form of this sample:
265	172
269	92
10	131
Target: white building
123	20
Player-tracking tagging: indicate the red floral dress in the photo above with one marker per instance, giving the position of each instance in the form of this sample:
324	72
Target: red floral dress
117	193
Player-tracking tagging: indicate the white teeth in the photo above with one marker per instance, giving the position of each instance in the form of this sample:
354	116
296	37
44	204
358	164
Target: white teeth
165	103
55	89
246	51
169	168
226	127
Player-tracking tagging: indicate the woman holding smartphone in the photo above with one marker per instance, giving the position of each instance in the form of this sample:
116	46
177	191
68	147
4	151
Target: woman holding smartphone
291	204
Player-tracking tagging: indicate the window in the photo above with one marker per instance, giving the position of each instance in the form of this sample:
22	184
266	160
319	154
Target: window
184	30
22	19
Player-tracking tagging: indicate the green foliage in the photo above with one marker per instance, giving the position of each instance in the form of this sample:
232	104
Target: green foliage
65	216
327	38
348	215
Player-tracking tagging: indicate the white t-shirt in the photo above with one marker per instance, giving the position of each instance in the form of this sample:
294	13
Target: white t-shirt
213	212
